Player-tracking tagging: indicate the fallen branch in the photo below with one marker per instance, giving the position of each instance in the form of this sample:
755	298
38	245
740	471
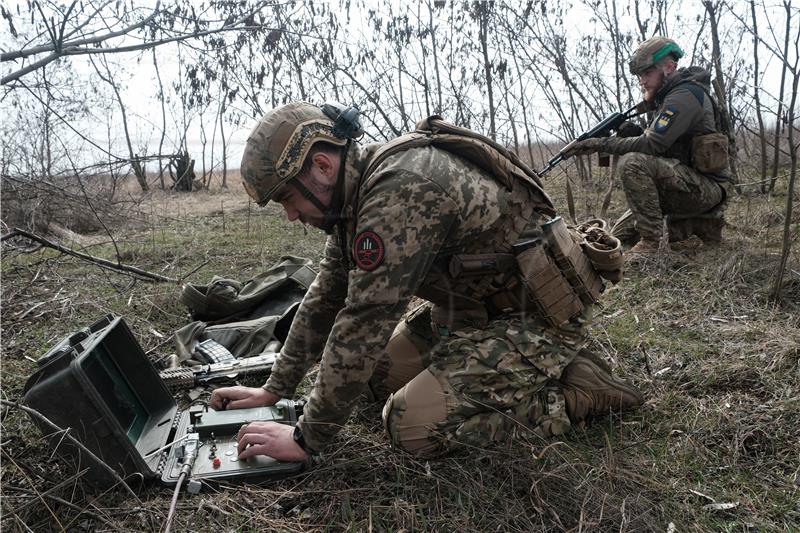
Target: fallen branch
105	263
79	509
52	489
73	440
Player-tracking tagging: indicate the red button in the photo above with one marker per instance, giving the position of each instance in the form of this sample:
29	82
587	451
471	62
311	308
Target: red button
216	462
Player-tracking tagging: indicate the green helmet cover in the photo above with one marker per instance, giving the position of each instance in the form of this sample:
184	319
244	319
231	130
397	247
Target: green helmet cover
652	51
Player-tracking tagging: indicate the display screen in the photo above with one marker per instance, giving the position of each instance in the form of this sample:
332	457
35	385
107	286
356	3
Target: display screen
115	390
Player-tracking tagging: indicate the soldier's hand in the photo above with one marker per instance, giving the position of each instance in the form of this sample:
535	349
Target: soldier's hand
629	129
585	147
269	438
241	397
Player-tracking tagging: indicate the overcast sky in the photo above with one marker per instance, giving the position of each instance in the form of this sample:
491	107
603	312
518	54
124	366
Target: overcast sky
136	75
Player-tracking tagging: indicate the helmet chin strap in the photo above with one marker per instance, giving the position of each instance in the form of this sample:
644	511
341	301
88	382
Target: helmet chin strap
331	214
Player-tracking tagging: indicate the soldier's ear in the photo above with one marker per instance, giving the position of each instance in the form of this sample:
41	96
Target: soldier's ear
669	65
328	167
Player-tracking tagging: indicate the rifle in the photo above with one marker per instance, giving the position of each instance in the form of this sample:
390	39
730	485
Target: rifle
187	377
611	122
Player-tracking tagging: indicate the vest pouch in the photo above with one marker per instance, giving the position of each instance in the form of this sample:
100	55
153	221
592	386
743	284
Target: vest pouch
710	153
570	257
548	289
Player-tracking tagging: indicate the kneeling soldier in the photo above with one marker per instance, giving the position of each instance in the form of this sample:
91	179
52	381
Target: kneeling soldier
678	166
486	355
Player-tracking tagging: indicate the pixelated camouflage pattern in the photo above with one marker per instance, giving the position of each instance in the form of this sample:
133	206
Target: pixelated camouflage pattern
278	144
497	381
426	205
315	316
651	52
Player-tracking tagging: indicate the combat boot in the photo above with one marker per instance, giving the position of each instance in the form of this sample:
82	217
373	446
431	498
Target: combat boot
644	247
591	391
594	358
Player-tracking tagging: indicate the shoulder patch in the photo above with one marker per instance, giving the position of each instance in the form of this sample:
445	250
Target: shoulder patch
664	120
368	250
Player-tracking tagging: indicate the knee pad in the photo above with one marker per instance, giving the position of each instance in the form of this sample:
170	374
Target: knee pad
411	414
406	355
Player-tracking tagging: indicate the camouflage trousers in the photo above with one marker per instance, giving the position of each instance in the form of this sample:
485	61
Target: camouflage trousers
658	186
474	386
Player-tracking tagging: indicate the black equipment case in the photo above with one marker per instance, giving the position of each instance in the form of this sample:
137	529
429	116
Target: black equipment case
99	383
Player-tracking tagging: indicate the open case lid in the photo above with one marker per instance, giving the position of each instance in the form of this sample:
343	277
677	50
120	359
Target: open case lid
99	382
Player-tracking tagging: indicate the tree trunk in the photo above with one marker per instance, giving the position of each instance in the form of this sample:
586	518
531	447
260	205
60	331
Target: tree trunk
511	115
163	122
138	169
224	145
483	12
793	147
777	138
762	136
719	88
435	61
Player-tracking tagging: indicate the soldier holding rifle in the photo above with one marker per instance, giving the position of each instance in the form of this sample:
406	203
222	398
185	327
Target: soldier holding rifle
678	166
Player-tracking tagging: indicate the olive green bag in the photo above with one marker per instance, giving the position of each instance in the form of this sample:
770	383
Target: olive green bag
710	153
247	317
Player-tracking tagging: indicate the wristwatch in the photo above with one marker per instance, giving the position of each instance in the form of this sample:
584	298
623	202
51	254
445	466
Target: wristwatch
299	439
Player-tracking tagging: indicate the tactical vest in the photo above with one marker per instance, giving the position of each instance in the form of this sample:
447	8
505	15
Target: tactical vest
707	152
527	265
496	160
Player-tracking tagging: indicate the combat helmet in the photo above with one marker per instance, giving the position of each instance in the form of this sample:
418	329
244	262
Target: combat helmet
279	143
651	52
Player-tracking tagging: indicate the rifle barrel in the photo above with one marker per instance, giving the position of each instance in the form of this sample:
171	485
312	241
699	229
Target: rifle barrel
612	120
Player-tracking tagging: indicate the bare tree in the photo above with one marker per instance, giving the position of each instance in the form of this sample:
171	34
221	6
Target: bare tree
794	69
482	11
779	113
762	136
103	28
105	74
719	82
162	101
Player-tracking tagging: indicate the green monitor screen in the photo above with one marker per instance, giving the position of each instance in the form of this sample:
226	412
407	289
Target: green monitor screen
115	391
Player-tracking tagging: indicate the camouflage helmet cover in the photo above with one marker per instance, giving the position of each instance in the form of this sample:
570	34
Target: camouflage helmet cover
651	52
278	145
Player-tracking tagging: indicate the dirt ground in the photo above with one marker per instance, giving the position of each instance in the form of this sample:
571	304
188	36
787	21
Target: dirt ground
715	448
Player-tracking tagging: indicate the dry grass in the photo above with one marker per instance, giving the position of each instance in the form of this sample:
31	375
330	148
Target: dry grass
717	360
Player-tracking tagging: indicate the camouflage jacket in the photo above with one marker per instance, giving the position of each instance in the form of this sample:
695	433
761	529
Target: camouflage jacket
401	226
683	110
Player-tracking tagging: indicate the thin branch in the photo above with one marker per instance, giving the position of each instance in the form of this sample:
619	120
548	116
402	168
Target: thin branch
21	54
78	46
86	257
36	414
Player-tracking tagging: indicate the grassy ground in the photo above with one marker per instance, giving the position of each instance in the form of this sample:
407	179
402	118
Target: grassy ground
717	361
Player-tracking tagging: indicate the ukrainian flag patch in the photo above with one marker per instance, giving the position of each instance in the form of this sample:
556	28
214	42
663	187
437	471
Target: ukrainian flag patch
665	119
